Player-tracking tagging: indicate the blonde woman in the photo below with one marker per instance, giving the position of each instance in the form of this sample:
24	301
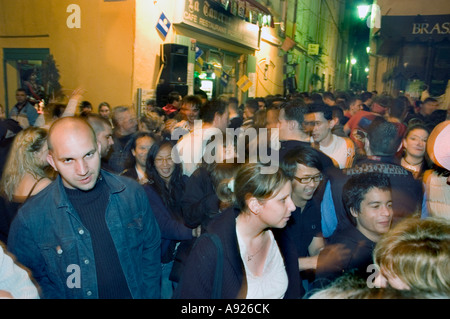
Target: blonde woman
26	171
414	256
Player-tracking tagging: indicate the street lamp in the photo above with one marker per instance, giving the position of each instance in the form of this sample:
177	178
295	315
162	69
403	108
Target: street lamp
363	10
353	61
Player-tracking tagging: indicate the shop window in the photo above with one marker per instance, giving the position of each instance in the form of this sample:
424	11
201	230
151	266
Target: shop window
217	70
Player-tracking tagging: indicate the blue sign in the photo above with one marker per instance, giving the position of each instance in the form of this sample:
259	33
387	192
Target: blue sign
224	78
163	25
198	52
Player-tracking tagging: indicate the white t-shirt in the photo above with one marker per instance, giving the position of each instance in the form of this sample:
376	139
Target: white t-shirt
192	146
339	152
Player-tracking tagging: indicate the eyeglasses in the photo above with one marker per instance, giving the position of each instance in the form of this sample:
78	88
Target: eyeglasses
307	180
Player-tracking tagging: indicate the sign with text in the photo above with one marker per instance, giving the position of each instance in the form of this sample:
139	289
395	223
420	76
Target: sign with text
313	49
210	17
244	83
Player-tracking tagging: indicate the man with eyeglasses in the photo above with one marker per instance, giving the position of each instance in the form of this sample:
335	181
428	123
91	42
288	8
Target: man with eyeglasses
304	166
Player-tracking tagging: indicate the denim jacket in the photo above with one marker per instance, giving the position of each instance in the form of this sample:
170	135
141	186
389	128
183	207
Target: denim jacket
48	237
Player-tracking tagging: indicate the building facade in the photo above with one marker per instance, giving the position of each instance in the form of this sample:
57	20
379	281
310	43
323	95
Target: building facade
410	48
126	51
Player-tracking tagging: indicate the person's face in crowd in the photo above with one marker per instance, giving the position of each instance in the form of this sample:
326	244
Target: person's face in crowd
356	106
429	107
21	97
375	213
261	105
105	138
320	127
164	163
416	143
302	189
76	157
248	114
143	145
222	121
104	111
177	102
190	113
87	109
272	118
272	122
276	211
127	122
283	126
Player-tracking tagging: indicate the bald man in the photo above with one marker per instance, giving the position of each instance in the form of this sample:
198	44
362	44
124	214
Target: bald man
90	234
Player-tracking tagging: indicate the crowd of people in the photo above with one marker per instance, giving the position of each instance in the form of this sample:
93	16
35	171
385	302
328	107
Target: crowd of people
305	196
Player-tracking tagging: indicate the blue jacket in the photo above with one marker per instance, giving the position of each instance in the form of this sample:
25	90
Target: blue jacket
48	237
28	110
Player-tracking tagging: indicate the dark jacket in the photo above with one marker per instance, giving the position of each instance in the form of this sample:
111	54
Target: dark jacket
47	236
172	230
200	202
198	276
407	192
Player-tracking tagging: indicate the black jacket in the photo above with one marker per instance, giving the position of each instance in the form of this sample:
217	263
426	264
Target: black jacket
198	275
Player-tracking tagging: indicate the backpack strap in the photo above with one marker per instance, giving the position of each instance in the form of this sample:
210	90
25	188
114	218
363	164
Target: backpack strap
218	277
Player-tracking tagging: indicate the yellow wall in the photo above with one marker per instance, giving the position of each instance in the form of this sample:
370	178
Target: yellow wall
272	83
116	50
98	56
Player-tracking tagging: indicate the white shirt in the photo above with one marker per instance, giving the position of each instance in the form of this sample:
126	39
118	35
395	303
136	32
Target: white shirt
273	282
338	151
191	147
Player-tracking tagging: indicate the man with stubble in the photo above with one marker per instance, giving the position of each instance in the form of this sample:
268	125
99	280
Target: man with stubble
89	234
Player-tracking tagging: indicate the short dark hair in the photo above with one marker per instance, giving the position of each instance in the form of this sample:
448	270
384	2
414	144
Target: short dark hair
356	188
173	96
430	99
328	95
383	100
398	108
193	100
352	100
140	134
252	104
301	154
365	96
295	110
321	108
383	137
210	108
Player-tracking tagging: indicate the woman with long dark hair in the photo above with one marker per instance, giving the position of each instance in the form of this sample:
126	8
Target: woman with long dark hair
164	189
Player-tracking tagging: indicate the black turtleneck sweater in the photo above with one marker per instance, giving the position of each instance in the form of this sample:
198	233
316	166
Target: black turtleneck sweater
91	207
